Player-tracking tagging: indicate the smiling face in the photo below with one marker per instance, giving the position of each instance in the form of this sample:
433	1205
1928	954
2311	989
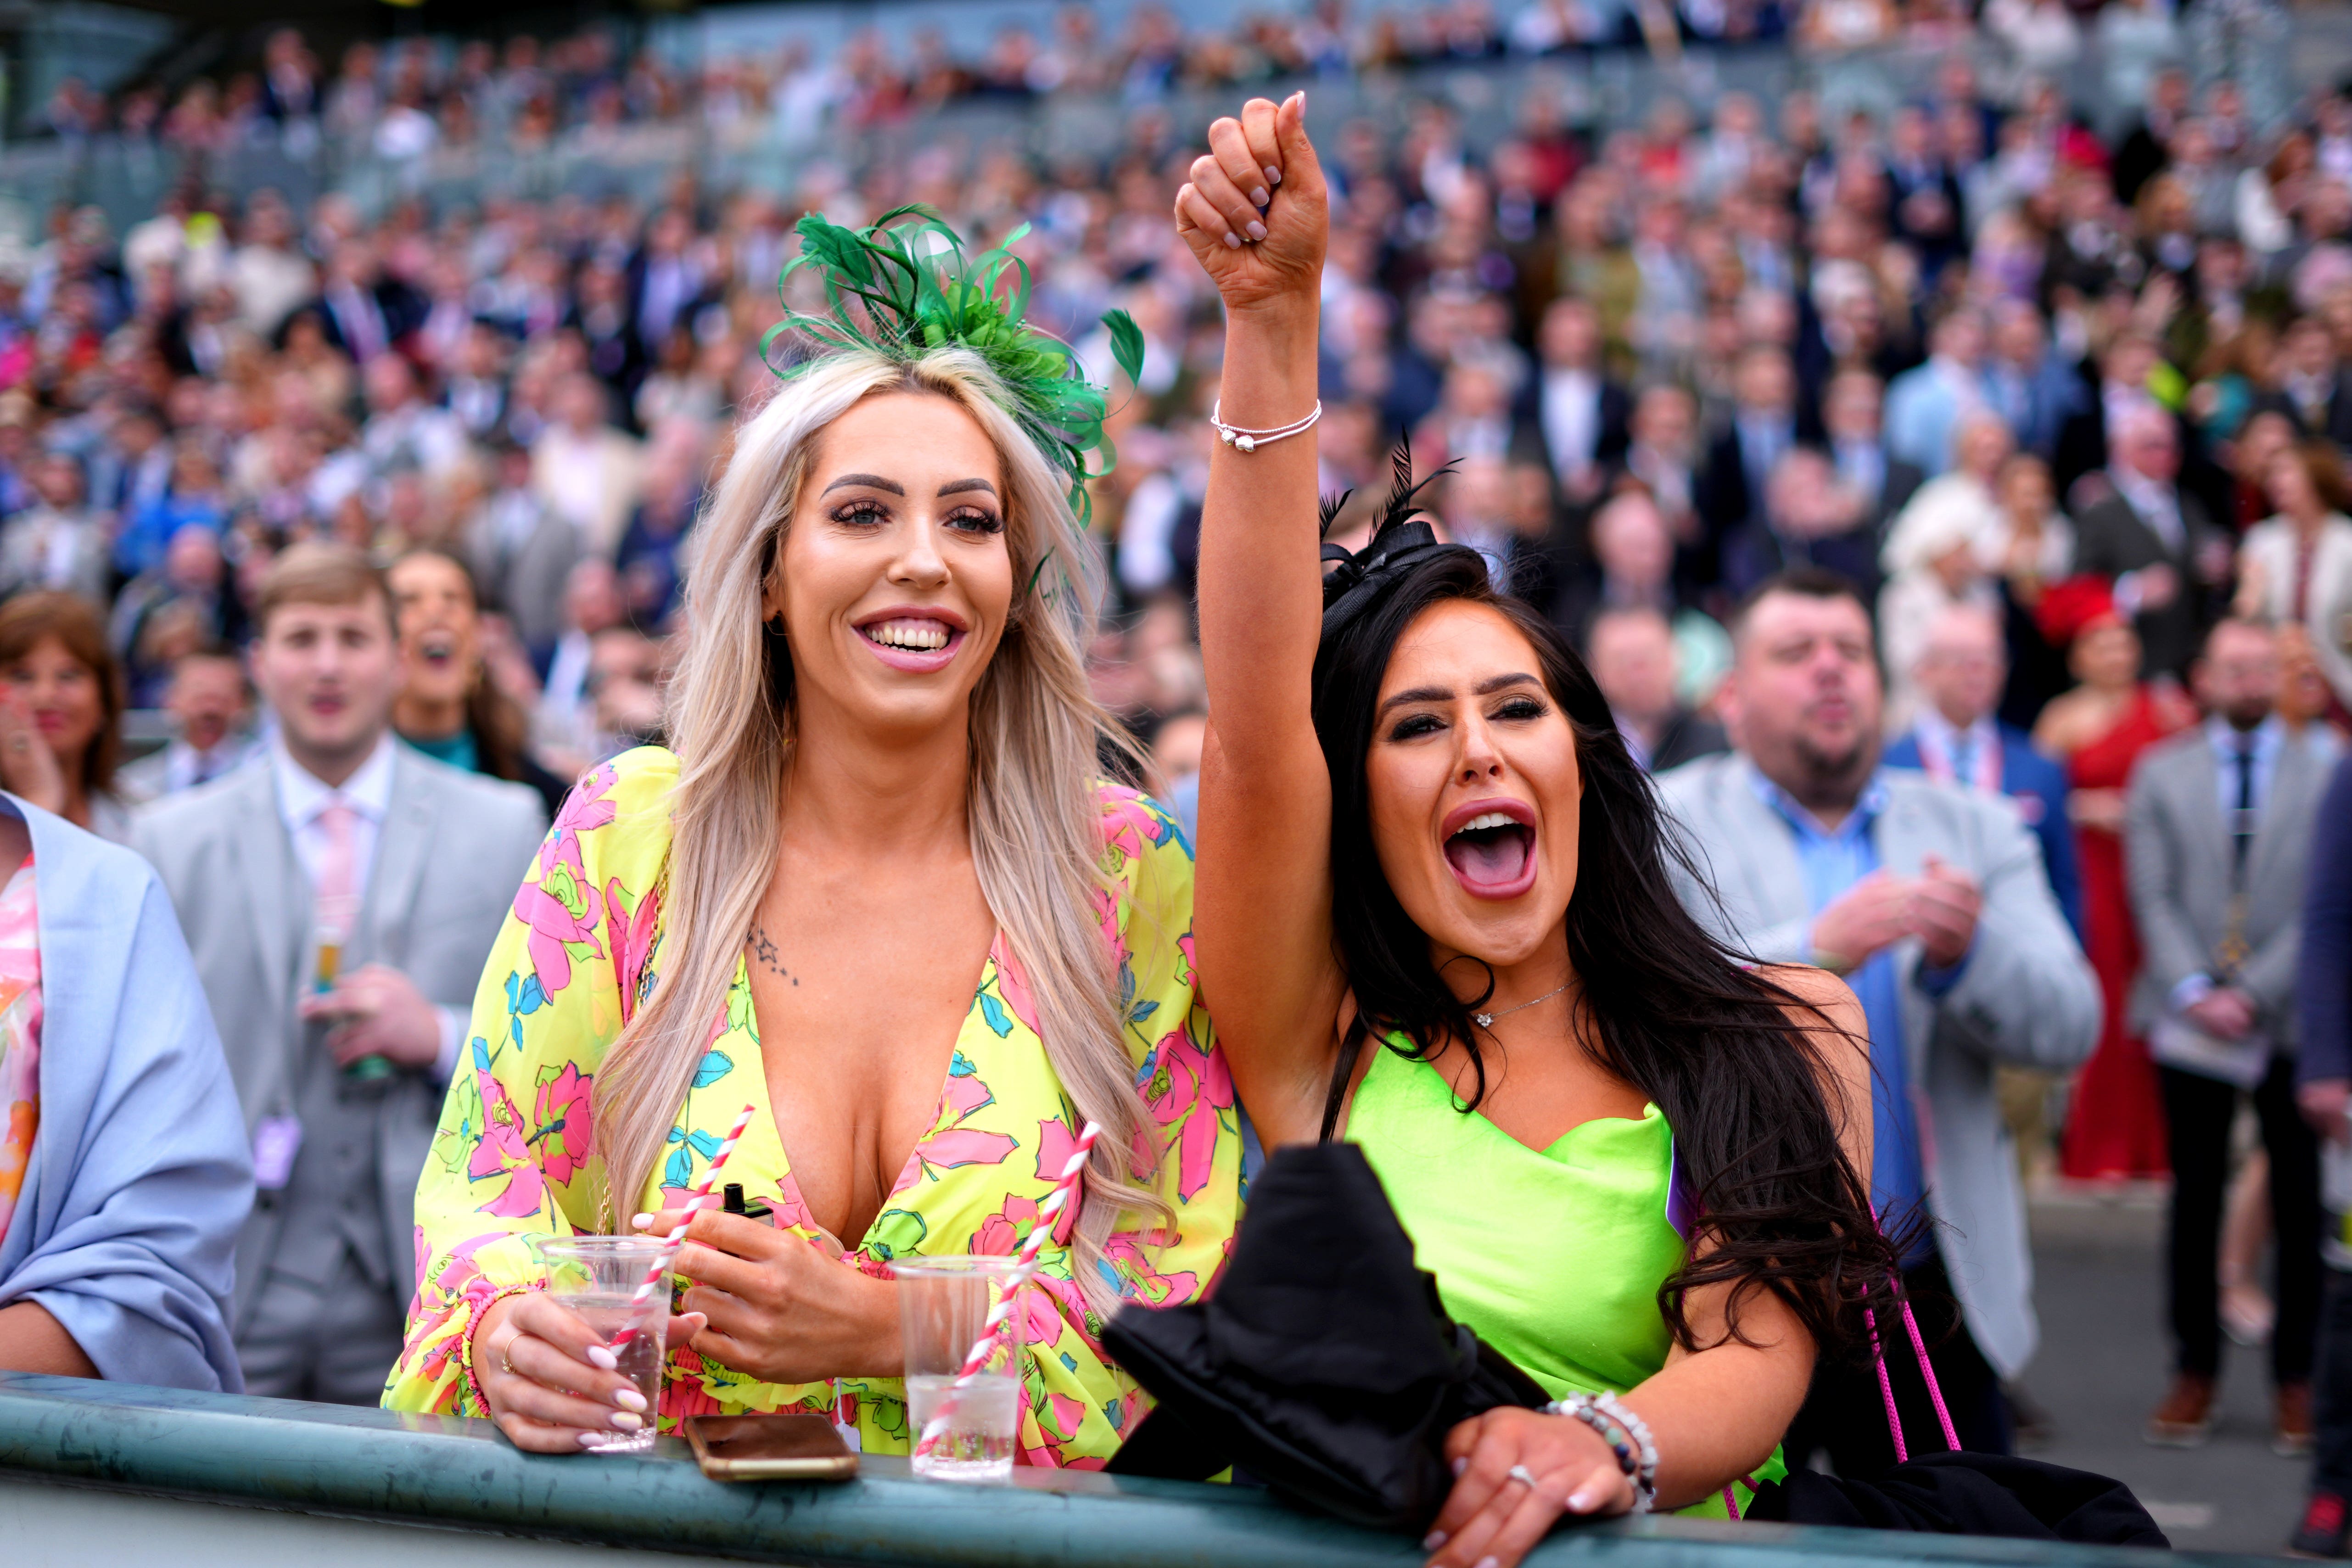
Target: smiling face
894	576
1474	787
63	696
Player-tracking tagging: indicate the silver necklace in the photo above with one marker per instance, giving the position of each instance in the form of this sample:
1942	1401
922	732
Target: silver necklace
1486	1020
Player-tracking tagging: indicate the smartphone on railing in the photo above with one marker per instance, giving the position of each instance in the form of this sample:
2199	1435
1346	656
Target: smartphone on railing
794	1447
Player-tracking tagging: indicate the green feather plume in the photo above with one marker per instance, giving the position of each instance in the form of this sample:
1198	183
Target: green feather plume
915	291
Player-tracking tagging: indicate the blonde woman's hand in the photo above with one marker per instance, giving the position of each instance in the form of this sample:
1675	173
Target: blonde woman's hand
27	767
1255	211
1496	1512
538	1365
780	1309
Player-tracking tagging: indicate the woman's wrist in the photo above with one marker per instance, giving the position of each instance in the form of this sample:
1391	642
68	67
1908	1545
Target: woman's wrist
1277	313
885	1354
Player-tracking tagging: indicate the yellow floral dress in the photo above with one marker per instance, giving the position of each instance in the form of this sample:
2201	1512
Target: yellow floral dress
514	1157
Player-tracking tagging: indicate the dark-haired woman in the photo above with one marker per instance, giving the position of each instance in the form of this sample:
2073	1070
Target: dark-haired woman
61	699
1434	911
448	708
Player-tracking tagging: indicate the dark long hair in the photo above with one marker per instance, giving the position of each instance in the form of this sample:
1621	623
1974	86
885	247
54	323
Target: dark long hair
1661	1003
500	728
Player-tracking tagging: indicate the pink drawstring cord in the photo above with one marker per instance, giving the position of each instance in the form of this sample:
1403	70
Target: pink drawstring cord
1886	1384
1928	1372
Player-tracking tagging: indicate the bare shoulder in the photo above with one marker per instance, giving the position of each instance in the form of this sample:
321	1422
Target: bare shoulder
1827	1008
2059	731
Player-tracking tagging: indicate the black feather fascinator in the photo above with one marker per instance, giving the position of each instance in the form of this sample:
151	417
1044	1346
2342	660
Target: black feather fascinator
1355	579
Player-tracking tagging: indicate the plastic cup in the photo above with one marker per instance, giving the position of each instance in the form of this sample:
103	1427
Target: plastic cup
597	1277
942	1303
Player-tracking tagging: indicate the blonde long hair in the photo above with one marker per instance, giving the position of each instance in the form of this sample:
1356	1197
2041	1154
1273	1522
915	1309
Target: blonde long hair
1036	822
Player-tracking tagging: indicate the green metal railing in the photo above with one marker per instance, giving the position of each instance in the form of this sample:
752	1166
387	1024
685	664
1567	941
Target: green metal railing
457	1474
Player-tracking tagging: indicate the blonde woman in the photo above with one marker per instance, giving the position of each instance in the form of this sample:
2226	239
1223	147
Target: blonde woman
875	889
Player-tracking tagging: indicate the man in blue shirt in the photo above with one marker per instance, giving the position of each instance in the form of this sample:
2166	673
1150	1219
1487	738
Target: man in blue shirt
1930	900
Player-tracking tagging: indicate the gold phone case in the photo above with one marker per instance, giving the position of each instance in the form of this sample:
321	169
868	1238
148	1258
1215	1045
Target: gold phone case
834	1467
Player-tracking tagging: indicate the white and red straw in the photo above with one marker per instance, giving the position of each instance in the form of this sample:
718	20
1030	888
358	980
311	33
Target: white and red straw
658	1270
1025	1268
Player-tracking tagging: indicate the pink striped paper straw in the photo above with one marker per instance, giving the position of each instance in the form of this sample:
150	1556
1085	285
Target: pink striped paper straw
659	1269
1025	1269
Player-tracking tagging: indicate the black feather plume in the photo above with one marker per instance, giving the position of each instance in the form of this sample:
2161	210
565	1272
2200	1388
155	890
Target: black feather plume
1329	509
1402	491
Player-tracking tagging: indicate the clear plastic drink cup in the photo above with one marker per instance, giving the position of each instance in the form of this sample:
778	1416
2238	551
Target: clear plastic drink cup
597	1277
943	1304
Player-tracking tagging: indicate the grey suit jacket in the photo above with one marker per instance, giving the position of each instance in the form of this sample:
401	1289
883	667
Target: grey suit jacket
2027	998
2178	857
451	852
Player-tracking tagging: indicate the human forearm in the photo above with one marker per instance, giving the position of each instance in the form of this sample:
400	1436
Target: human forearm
1261	577
2170	948
1716	1415
33	1341
1257	217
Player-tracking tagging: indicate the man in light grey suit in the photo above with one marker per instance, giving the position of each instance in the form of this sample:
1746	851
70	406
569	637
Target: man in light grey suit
340	893
1931	900
2217	841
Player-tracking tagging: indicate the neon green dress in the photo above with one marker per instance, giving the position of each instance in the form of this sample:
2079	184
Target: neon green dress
1554	1257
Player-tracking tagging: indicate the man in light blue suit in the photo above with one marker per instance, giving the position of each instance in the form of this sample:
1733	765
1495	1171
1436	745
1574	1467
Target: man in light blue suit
1956	740
116	1254
1931	901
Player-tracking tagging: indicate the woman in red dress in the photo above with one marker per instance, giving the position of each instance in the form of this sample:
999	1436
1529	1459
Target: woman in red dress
2115	1127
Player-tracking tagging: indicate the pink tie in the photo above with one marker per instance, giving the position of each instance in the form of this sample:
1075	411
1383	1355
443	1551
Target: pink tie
338	888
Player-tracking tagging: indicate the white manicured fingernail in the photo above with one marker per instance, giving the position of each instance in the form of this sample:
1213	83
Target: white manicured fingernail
623	1421
629	1399
1256	230
1461	1465
1272	175
1233	240
599	1357
1433	1541
1581	1503
1259	197
1489	1562
590	1439
641	1222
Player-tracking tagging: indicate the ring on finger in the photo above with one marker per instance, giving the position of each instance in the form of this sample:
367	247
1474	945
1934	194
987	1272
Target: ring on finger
505	1353
1521	1474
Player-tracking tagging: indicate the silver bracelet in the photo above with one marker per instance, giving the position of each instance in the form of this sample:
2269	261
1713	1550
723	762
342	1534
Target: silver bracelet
1637	1450
1251	440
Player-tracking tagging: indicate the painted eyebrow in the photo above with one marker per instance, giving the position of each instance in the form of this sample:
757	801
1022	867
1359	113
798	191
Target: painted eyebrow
962	486
1486	687
869	481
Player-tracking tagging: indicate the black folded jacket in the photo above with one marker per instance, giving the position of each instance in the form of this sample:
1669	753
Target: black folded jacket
1323	1364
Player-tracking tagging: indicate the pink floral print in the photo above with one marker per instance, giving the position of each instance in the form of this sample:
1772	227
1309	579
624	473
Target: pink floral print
514	1154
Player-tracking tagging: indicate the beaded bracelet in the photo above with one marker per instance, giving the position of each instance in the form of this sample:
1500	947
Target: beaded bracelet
1627	1434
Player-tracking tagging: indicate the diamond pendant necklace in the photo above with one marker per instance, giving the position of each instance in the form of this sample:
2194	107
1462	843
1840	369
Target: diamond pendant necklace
1486	1020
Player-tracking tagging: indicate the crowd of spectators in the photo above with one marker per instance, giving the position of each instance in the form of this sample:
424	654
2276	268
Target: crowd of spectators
2057	403
401	101
1960	353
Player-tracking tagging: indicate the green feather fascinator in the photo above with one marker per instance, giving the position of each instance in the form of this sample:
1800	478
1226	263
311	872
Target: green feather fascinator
914	291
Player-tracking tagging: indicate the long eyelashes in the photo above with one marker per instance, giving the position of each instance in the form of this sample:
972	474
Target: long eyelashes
871	514
1518	710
